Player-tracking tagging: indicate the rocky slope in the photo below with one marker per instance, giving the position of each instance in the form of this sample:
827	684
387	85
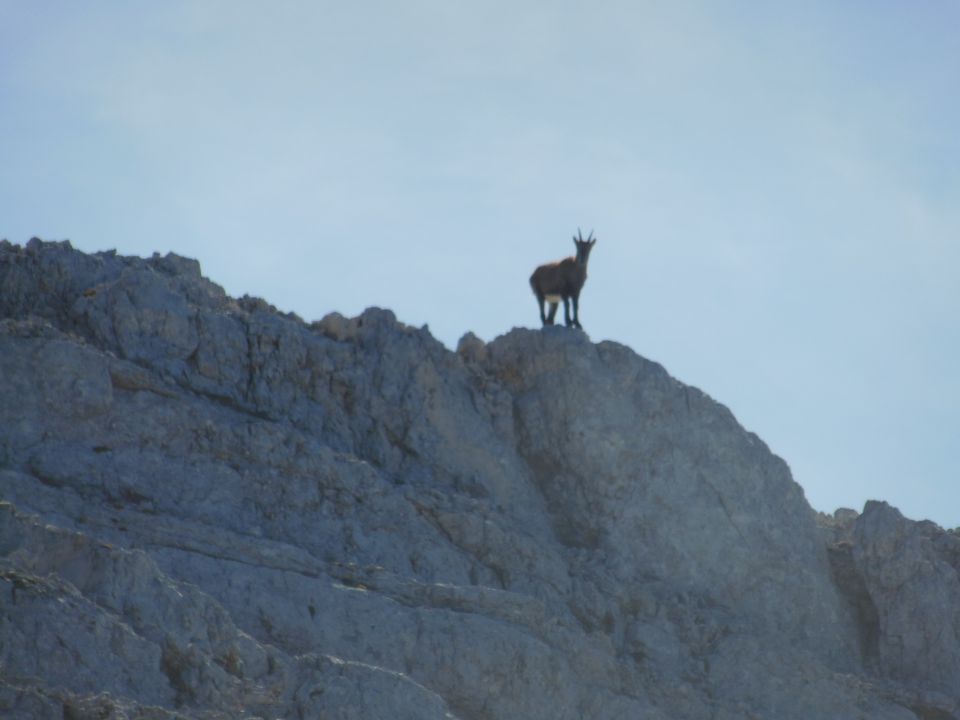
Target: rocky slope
214	510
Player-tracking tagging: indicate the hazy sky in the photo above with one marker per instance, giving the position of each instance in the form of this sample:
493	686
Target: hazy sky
775	185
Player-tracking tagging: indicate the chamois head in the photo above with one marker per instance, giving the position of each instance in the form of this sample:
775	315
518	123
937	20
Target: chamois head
563	280
583	246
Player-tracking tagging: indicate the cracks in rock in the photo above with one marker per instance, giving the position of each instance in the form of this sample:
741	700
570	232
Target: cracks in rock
250	339
723	504
430	515
237	406
853	589
373	579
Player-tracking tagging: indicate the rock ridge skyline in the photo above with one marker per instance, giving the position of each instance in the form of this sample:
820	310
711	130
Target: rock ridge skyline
212	509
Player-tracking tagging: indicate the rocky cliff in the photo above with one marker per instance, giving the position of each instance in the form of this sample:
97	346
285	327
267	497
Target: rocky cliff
211	509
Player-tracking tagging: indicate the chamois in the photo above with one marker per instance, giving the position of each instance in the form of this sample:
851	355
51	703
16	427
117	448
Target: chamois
563	280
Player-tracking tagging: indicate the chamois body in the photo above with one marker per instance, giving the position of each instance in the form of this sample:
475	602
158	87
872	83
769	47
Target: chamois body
562	281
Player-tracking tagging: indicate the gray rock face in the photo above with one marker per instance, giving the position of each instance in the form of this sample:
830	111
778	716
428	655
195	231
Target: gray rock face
214	510
903	578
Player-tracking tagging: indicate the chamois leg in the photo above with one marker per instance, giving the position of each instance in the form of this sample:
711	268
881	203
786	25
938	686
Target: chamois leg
576	312
566	311
552	315
540	304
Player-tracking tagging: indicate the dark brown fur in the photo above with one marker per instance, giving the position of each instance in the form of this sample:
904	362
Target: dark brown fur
563	279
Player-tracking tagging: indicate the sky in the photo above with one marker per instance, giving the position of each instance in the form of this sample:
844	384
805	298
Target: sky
774	186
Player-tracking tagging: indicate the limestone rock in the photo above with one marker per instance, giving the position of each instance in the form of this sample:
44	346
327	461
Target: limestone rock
911	571
212	509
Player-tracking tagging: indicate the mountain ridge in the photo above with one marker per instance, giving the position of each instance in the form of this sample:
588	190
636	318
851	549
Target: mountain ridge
343	518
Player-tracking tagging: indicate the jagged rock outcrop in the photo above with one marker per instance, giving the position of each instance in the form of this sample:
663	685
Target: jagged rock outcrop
903	578
215	510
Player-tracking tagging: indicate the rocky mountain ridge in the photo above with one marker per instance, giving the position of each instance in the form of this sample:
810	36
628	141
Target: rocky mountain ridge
211	509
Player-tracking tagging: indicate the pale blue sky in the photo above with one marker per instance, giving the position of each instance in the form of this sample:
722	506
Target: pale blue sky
774	185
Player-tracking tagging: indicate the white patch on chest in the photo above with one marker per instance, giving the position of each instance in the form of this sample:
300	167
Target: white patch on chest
553	298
